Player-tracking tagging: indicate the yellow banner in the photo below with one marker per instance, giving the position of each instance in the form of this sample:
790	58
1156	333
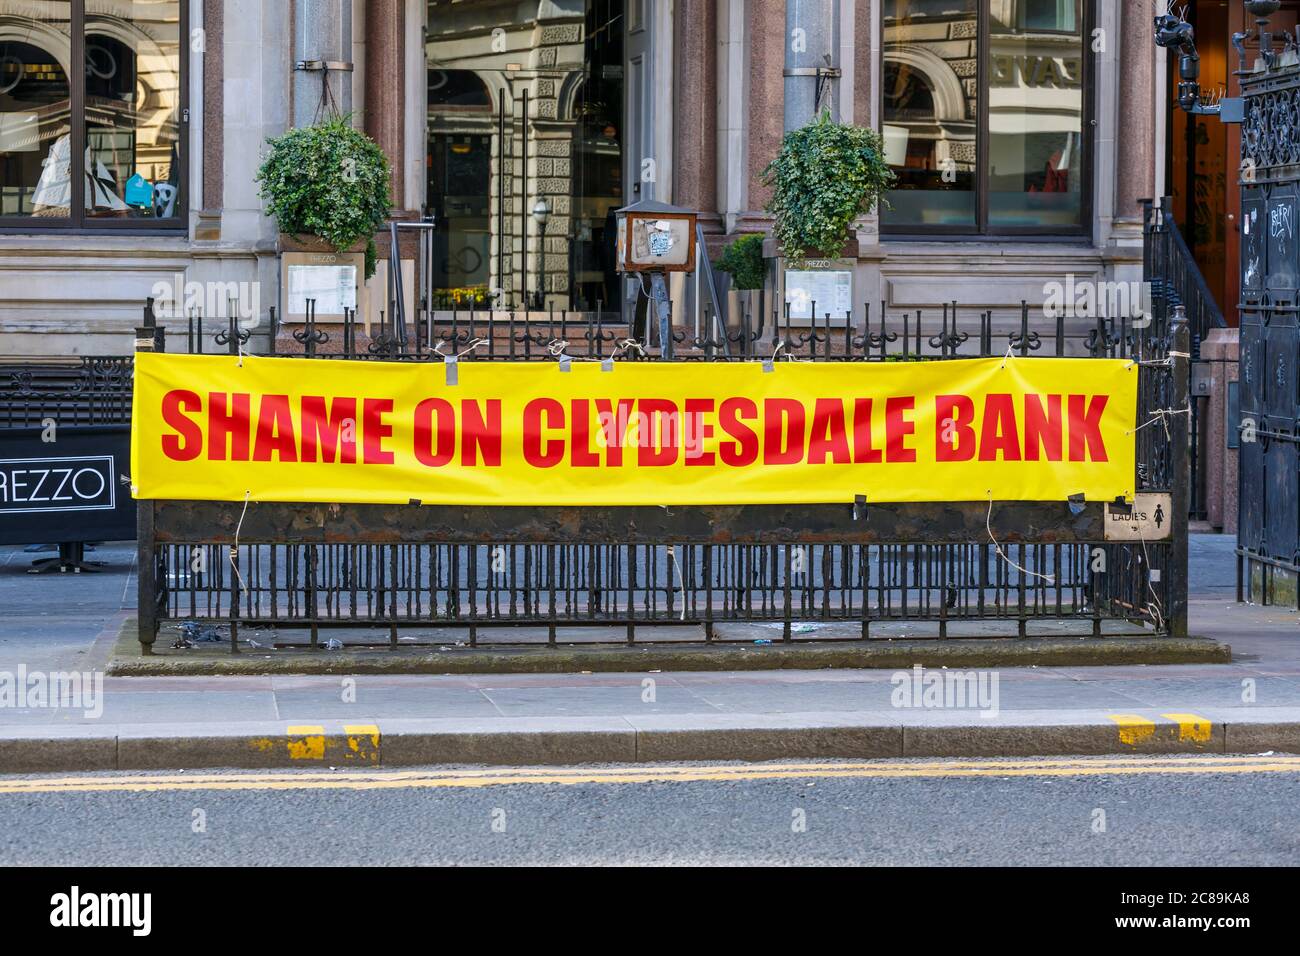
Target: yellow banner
634	433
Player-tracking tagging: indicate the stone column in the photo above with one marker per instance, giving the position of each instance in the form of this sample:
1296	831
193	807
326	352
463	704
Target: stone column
864	64
766	104
1135	172
695	121
322	31
385	85
812	42
214	136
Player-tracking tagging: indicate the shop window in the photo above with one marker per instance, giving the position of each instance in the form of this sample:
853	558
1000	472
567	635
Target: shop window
525	113
97	147
985	107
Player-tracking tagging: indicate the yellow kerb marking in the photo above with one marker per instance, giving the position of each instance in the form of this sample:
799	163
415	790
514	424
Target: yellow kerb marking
1191	727
1132	728
311	746
363	741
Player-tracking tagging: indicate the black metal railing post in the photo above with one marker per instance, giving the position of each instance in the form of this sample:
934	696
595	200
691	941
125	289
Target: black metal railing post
149	337
1180	396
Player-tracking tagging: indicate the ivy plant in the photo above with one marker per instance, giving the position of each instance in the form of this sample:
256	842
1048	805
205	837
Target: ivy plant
826	175
743	261
328	180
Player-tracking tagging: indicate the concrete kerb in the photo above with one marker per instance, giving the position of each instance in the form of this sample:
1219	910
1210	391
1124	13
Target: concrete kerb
649	739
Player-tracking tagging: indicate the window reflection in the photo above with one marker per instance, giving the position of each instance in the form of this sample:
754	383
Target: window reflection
1033	90
34	108
1035	113
931	109
525	110
133	110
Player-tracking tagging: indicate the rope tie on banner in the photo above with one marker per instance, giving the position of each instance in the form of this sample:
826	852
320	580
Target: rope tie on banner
1159	363
770	363
1011	353
234	548
452	362
1162	415
988	526
474	344
629	345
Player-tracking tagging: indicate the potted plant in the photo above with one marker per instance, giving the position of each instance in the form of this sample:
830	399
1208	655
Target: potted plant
328	181
826	175
743	261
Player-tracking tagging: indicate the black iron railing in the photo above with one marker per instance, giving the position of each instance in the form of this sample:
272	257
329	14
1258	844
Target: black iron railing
1176	280
489	574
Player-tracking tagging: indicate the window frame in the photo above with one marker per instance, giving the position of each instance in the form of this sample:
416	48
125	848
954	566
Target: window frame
982	230
77	222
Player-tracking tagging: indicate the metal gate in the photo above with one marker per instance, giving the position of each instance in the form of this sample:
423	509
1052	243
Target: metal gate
1269	528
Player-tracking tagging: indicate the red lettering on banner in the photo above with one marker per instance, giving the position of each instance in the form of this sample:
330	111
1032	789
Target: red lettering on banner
333	432
275	430
581	455
374	430
783	427
658	440
953	415
863	452
187	443
480	434
897	428
744	450
426	452
1042	427
228	420
696	431
553	452
829	433
1085	428
614	427
1000	433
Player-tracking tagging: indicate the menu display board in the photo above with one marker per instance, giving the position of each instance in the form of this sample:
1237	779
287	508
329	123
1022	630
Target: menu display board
827	291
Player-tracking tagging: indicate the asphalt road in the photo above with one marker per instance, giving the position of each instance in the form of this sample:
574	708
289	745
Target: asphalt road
1206	811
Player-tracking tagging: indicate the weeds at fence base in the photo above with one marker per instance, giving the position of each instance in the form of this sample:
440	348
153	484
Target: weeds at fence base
681	648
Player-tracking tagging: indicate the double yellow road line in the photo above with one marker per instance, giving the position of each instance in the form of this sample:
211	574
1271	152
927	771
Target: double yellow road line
568	776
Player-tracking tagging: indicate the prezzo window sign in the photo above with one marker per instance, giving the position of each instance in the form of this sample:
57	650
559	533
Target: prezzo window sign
57	484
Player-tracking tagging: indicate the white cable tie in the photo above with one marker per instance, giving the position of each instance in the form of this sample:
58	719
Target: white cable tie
988	525
234	548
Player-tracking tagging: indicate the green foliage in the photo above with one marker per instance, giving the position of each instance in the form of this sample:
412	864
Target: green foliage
328	180
825	176
743	261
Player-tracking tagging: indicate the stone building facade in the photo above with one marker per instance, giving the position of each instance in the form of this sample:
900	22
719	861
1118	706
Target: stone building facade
1024	132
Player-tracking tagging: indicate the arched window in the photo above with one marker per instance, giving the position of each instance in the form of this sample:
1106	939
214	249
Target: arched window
458	90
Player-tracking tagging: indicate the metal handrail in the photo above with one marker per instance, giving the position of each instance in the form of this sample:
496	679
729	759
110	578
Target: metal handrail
1173	272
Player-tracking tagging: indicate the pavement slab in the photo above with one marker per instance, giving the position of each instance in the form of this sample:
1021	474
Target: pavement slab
636	711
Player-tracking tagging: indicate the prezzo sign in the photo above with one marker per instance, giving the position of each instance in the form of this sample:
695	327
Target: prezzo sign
57	484
64	485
